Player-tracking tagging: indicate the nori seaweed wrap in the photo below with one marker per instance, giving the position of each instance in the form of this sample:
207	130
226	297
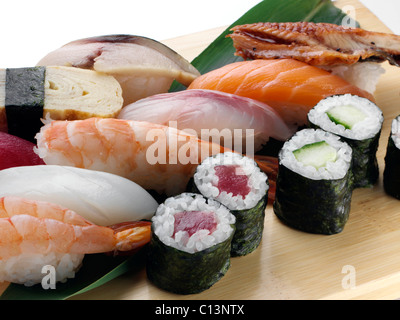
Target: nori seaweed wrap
190	245
358	121
391	173
24	101
238	183
313	187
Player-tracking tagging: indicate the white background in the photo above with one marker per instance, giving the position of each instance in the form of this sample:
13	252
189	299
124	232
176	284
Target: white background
30	29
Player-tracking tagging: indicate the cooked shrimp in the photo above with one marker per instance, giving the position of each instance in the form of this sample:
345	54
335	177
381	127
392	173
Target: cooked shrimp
34	234
156	157
38	227
131	236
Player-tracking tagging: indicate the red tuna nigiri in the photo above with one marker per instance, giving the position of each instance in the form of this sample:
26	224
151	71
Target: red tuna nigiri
15	152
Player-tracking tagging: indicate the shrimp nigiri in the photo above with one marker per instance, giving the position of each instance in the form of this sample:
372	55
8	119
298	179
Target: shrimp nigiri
214	111
156	157
289	86
34	234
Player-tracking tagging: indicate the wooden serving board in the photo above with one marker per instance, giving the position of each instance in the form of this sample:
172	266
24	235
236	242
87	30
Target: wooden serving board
290	264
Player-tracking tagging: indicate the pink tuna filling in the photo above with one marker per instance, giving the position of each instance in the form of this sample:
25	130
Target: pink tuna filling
232	179
193	221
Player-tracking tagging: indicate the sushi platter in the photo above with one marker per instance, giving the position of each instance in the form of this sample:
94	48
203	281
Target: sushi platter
290	264
359	261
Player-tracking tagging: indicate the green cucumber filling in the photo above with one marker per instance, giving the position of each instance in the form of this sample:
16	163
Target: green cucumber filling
346	115
316	154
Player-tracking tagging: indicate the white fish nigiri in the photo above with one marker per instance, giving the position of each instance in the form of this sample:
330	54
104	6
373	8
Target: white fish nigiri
102	198
200	110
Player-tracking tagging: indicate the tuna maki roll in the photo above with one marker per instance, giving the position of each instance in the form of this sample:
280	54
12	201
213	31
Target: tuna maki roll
313	187
391	173
190	245
358	121
238	183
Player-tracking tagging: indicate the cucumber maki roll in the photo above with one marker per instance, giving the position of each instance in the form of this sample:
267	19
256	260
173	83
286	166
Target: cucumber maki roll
358	121
190	245
238	183
391	173
313	187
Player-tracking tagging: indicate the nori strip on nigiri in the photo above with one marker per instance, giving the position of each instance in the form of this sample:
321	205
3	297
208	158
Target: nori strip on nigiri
391	173
24	100
314	200
58	93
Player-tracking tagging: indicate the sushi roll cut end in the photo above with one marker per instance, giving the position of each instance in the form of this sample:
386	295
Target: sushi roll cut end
232	179
238	183
348	116
316	154
358	121
314	183
190	245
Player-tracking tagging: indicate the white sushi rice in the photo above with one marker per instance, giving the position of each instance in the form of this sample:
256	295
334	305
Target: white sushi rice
163	223
364	129
332	170
364	75
206	181
395	132
27	268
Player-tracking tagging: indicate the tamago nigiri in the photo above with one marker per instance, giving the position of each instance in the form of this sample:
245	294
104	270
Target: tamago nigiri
289	86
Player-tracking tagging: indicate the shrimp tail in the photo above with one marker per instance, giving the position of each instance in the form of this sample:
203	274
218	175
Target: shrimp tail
130	237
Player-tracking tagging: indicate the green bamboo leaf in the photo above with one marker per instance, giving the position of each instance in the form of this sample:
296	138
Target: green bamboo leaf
96	270
221	51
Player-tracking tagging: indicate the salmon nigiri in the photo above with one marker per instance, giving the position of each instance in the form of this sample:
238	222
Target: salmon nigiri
289	86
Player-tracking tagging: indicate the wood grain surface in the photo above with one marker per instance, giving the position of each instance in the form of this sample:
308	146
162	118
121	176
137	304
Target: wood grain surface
290	264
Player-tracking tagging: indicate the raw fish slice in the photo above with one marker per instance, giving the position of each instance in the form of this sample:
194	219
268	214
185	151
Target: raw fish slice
320	44
232	180
193	221
15	152
102	198
213	110
289	86
142	66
